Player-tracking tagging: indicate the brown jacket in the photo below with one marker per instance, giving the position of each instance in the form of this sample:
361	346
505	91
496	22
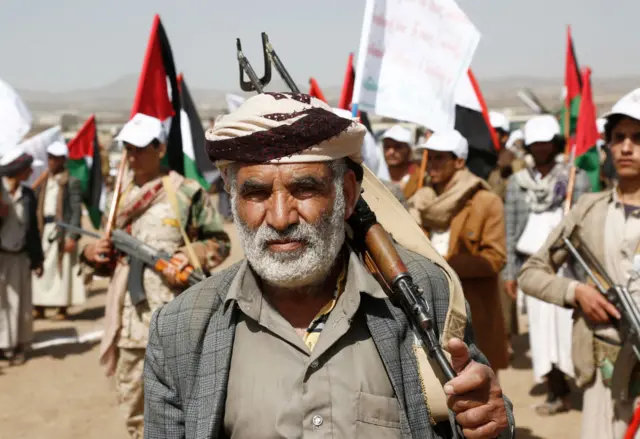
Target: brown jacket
477	253
538	275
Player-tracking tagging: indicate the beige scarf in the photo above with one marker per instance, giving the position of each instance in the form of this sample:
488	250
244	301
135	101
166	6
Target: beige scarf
131	207
435	211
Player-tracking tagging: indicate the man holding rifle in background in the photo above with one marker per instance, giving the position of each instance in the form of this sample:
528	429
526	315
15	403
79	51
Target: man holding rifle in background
608	223
171	214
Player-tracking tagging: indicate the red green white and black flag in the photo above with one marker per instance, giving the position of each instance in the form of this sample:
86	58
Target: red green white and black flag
158	95
85	164
196	163
571	91
585	150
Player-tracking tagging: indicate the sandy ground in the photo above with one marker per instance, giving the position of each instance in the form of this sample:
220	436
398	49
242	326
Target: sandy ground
61	392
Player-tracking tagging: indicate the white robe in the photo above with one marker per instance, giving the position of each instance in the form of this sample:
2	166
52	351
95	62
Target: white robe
550	326
57	288
15	276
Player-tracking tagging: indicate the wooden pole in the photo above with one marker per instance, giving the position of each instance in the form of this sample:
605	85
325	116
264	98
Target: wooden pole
117	192
570	186
567	132
423	167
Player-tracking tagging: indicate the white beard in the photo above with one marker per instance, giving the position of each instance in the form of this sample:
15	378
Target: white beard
305	267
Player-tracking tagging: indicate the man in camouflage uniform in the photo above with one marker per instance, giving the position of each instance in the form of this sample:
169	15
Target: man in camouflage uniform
172	214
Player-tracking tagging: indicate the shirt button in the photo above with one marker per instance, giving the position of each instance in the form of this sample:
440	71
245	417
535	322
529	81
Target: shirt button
317	420
314	364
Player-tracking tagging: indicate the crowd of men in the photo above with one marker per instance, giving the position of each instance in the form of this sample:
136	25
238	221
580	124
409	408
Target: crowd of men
300	336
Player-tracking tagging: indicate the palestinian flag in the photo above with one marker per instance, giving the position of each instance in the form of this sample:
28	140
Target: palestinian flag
84	163
472	121
585	150
197	165
346	95
158	94
572	87
315	90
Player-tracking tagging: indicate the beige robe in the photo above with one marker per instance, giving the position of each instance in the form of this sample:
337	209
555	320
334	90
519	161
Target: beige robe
59	286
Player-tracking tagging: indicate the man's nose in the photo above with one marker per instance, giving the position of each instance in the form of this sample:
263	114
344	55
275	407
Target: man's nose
627	146
281	214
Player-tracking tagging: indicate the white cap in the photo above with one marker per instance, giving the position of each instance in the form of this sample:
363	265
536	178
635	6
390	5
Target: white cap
141	130
541	128
600	123
399	134
514	137
58	148
449	141
11	155
499	121
628	105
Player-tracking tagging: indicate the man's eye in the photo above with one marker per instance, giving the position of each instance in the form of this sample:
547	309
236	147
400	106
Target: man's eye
303	192
618	137
255	195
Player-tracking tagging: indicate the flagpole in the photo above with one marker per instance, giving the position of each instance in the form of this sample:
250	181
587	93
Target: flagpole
117	192
567	129
571	182
423	167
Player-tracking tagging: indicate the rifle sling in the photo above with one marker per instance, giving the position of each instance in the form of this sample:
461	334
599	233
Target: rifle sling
173	200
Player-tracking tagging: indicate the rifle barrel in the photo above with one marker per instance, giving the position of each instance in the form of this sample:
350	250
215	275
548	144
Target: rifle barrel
78	230
576	254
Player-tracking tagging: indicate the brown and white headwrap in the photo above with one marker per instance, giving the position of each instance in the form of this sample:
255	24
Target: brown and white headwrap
283	128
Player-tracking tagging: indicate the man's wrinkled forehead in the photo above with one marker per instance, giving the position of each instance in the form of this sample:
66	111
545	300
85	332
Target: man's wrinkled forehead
281	171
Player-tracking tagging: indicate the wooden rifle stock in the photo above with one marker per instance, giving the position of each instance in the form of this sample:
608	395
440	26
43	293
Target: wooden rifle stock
384	262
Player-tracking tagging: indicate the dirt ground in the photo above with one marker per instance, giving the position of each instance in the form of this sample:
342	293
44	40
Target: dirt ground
61	392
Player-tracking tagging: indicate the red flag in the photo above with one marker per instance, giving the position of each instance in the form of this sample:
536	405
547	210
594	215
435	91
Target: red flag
152	96
83	144
315	90
346	95
85	164
571	73
587	131
158	93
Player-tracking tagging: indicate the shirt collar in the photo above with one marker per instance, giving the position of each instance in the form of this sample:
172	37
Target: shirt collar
245	289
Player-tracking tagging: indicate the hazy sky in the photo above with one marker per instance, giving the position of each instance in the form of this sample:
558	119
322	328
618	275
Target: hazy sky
68	44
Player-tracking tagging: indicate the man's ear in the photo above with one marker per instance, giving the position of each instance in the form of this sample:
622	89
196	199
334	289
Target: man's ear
351	193
162	150
460	164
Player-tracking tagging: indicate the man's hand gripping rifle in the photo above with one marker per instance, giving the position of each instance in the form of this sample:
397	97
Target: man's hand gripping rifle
140	255
629	324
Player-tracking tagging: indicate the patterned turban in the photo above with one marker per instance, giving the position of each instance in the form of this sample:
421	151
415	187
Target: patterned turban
283	128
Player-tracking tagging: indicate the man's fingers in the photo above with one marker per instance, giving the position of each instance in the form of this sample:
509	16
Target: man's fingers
610	308
459	354
488	430
475	417
472	378
459	404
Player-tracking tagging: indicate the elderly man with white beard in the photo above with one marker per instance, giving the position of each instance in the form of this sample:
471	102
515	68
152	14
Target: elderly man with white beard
299	339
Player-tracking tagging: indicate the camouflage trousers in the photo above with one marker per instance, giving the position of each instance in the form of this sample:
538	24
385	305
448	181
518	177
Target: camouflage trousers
129	389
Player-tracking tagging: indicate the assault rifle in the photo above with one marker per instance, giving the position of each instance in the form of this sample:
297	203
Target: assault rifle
140	256
383	260
629	325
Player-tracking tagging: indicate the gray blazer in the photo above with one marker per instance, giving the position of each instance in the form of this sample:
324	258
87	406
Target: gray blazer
189	353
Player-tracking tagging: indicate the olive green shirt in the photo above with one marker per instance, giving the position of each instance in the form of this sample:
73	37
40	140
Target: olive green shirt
279	388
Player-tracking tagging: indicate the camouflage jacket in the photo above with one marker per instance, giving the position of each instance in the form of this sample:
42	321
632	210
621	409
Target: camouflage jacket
157	226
